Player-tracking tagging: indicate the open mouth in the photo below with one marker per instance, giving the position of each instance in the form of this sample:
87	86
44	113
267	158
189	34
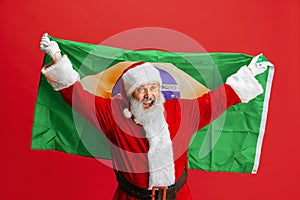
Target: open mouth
148	104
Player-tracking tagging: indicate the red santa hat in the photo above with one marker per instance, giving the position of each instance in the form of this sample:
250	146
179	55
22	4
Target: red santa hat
136	75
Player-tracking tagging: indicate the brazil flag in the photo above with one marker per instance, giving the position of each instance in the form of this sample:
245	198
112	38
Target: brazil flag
231	143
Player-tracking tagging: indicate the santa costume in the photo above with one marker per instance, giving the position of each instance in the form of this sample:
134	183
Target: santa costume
152	152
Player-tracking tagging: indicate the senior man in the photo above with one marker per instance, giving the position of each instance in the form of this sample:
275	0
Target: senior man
140	122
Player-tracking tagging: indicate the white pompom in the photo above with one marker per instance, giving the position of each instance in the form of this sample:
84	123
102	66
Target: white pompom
127	113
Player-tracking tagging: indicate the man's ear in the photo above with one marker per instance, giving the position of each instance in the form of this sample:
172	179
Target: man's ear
133	95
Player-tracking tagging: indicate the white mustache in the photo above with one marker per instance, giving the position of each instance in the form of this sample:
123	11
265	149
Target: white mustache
151	99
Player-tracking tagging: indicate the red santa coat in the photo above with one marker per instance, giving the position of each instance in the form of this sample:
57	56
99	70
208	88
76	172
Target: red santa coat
127	140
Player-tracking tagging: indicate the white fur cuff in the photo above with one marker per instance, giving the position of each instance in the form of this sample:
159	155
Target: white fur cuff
244	84
61	74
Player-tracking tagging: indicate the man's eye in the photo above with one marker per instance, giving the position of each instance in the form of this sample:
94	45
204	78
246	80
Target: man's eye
154	88
141	90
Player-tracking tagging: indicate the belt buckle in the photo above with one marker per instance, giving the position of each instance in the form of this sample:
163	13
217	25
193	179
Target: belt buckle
163	188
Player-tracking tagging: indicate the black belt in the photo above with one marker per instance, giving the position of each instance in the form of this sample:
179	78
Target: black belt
157	192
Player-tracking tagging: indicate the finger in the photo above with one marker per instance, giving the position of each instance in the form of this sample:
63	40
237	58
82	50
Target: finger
45	38
42	47
44	43
254	60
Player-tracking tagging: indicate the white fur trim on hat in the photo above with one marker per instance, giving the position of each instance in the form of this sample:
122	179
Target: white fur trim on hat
245	84
141	74
61	74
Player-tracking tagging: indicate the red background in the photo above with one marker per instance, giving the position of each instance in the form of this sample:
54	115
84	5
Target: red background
251	27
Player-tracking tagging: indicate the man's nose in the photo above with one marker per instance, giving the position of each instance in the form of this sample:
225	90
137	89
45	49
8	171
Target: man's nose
148	93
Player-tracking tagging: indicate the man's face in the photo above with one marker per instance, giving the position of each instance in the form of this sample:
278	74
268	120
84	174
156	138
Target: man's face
147	94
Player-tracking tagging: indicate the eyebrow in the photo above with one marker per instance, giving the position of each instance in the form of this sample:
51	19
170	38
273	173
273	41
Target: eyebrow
151	84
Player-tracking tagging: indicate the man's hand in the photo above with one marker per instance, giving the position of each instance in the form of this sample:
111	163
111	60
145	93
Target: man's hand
50	47
256	68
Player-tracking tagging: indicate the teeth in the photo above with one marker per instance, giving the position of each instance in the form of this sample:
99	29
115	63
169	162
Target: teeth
148	100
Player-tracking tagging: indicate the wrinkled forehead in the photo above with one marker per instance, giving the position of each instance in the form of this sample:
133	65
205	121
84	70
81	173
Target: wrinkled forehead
144	85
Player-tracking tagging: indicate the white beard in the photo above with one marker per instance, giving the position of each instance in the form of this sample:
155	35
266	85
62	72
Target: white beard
146	116
160	154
